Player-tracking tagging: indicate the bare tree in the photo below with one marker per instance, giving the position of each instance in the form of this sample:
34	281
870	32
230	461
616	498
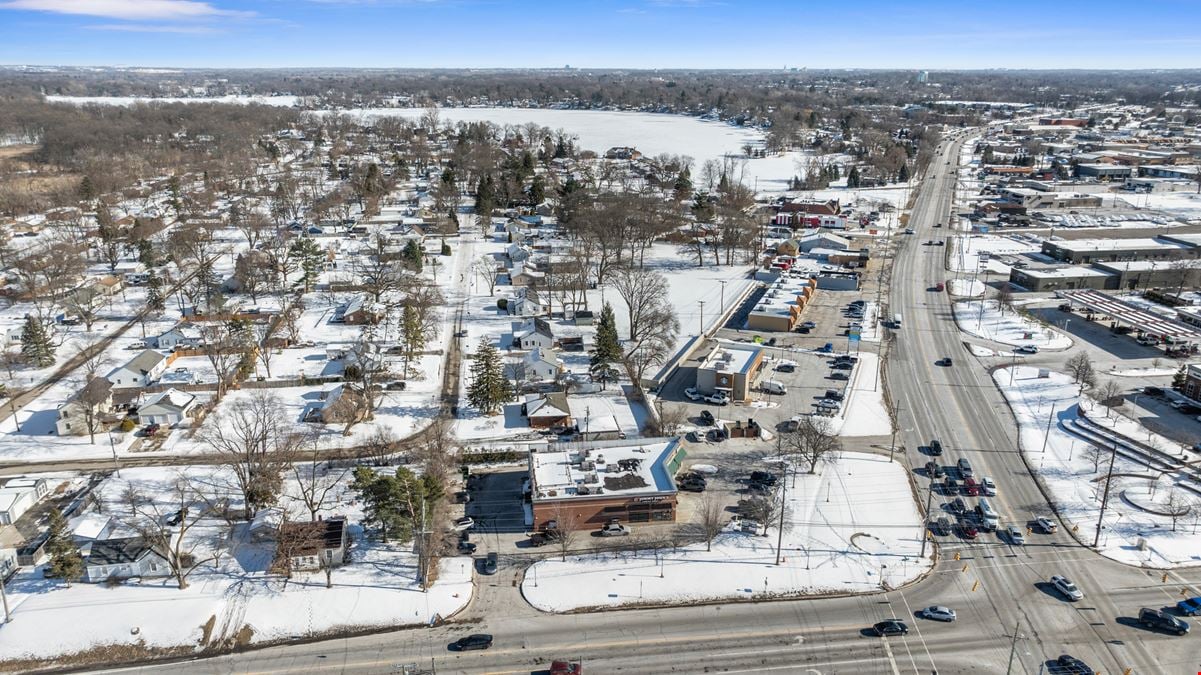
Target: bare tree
671	417
488	270
712	515
563	530
1096	454
1110	395
1081	369
645	294
1177	505
165	527
225	349
812	442
265	333
316	481
1004	297
255	440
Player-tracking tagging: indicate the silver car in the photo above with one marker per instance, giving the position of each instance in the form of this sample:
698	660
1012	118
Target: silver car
1015	535
1065	586
939	613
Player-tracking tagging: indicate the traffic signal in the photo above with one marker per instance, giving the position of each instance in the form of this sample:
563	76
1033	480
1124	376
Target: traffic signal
964	567
975	585
1165	577
956	555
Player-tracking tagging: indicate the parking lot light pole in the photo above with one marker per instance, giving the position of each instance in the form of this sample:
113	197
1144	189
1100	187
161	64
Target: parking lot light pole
702	326
723	296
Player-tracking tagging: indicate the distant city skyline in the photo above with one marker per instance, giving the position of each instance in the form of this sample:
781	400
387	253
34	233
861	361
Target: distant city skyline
646	34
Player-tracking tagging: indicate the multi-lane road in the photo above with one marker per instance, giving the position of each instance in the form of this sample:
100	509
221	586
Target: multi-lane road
1008	622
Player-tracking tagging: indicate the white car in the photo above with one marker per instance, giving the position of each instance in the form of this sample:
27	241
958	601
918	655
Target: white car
1069	589
1027	349
988	487
939	613
465	523
692	394
718	399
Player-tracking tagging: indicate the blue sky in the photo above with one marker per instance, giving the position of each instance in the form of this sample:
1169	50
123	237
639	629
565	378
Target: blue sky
603	33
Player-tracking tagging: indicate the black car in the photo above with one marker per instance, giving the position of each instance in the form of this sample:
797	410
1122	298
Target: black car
691	484
936	447
842	365
1153	391
1157	619
707	418
1070	664
466	547
950	486
891	627
934	469
942	526
834	395
477	641
489	565
958	506
763	477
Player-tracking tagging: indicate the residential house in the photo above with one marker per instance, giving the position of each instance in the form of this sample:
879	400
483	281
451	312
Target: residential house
339	405
539	365
166	408
311	545
360	311
518	253
523	275
72	415
141	370
544	411
532	334
527	302
19	495
124	558
181	336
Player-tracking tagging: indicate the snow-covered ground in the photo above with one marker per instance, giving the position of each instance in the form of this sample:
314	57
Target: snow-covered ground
378	588
1075	483
1007	327
850	528
866	414
1182	204
966	251
966	288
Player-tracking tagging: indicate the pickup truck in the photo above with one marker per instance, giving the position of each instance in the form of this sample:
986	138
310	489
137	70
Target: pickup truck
1190	607
566	668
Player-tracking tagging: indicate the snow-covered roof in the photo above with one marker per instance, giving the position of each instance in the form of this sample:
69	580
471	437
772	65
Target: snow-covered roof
598	469
171	398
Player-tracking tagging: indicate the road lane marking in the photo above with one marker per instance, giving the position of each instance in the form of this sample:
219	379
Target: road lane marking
891	661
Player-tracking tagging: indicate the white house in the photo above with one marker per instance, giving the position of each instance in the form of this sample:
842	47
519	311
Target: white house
123	559
312	545
140	371
539	365
166	408
72	414
181	336
18	496
518	253
532	334
527	302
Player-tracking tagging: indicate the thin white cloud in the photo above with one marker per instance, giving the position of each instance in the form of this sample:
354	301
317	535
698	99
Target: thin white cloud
134	10
155	28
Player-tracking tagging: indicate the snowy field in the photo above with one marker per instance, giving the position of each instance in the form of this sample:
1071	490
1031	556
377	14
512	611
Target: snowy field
378	588
851	528
984	319
1072	477
865	413
966	288
1184	204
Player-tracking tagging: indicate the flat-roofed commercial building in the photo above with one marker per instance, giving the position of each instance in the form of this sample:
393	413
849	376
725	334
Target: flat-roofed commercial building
731	368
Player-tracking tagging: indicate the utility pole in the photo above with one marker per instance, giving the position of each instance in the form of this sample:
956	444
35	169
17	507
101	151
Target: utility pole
723	296
1047	435
1105	495
926	516
702	304
780	533
1013	647
4	597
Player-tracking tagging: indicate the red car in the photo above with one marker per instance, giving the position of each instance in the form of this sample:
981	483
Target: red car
970	487
969	531
566	668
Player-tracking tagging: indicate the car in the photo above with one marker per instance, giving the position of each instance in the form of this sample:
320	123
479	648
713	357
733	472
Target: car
950	486
139	344
934	469
1153	391
1067	588
560	667
827	348
707	418
473	642
958	505
939	613
786	367
151	429
945	362
540	539
809	325
176	518
461	333
692	484
462	497
909	230
692	394
1027	349
829	403
489	565
718	398
763	477
1047	525
466	547
936	447
1158	619
843	365
1189	607
1069	664
942	526
465	523
987	487
717	435
858	303
965	467
970	487
614	529
968	530
890	627
834	394
771	342
1015	536
837	375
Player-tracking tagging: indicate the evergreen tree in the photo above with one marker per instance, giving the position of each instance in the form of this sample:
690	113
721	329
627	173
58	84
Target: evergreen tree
86	191
683	186
412	255
155	301
412	334
903	174
309	255
391	502
36	346
853	179
65	561
146	254
485	196
1179	378
488	389
607	349
537	191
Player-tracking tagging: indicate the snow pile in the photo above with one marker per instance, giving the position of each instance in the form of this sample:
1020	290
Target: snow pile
966	288
850	528
1074	478
984	319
